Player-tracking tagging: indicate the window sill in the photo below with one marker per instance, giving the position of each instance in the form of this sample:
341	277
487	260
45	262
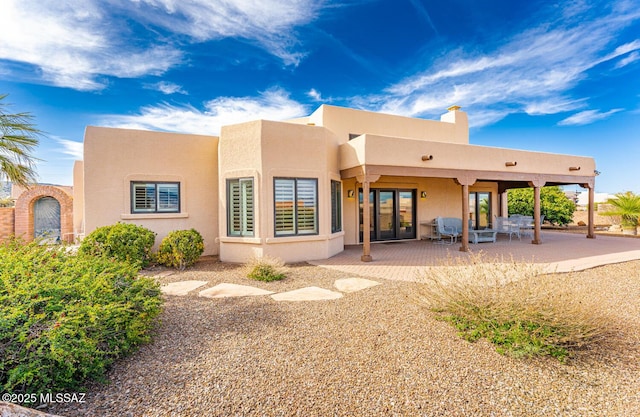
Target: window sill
239	239
140	216
302	238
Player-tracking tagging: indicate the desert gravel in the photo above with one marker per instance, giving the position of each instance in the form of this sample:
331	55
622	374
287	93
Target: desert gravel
374	352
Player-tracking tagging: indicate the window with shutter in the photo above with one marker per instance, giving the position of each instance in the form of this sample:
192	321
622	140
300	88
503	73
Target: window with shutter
336	206
240	205
155	197
296	206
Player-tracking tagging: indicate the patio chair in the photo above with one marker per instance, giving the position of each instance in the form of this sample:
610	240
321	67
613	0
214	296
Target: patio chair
449	227
527	224
509	226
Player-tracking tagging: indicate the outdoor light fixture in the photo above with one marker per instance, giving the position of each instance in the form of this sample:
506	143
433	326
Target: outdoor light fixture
596	172
423	194
350	193
574	168
427	157
510	163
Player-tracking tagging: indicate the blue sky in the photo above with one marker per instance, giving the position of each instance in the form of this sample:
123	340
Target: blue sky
553	76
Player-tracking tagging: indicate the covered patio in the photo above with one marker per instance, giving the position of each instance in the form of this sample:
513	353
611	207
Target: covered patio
561	252
369	158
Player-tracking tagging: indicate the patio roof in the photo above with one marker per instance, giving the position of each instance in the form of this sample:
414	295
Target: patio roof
368	157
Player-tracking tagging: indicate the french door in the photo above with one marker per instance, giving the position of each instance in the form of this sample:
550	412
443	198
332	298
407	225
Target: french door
392	214
480	209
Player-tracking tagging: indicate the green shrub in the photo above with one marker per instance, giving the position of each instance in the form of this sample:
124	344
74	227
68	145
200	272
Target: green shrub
181	248
265	269
122	241
513	305
65	318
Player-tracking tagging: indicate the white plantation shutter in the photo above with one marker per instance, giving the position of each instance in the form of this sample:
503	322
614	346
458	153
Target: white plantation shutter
285	191
240	206
246	188
144	197
307	204
168	197
234	204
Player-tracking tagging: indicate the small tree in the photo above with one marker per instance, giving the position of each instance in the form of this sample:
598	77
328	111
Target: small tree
554	204
18	138
627	206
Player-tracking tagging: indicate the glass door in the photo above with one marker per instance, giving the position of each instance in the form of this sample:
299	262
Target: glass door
480	209
387	215
392	214
406	214
372	205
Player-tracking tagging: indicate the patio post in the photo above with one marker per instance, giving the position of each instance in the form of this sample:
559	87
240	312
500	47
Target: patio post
366	222
536	184
366	180
591	227
465	182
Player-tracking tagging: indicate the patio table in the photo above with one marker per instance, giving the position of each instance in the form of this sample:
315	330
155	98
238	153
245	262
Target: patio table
482	235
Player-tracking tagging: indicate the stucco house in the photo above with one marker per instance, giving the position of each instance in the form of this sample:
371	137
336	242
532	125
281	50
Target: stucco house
302	189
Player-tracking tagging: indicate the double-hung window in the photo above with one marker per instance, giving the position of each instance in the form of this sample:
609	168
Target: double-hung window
240	214
336	206
296	206
155	197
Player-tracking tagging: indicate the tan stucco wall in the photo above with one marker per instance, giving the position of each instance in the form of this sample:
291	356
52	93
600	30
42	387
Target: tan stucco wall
265	150
115	157
453	126
78	199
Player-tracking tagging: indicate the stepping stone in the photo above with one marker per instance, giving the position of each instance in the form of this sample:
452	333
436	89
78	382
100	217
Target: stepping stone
232	290
307	294
181	287
354	284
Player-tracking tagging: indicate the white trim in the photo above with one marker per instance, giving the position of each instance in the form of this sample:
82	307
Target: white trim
141	216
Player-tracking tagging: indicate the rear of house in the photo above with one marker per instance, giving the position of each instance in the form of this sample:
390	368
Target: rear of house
303	189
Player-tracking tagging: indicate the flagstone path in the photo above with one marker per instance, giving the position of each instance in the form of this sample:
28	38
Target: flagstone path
223	290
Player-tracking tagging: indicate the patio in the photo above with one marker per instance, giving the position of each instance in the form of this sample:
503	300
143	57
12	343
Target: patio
562	252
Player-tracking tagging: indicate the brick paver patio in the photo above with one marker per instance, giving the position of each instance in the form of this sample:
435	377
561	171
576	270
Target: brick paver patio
403	260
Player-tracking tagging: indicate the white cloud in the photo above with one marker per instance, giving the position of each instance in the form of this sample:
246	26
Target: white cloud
587	117
314	94
76	44
71	148
166	87
552	106
269	23
273	104
72	45
533	71
629	59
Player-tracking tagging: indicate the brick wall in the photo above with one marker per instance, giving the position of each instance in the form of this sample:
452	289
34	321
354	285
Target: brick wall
7	222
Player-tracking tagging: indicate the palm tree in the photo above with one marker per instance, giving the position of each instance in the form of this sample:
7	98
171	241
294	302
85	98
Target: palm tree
18	138
627	206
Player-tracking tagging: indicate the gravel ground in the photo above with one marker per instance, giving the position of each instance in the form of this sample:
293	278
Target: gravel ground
371	353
